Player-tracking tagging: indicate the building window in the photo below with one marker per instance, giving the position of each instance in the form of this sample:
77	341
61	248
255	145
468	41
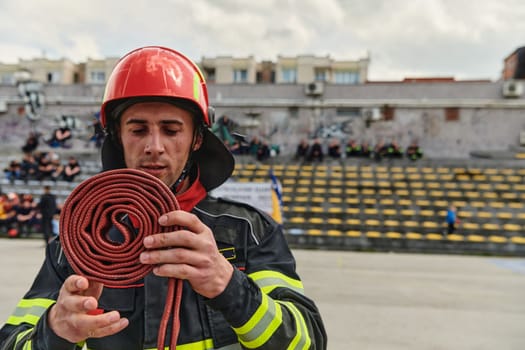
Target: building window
240	75
388	113
8	79
451	114
321	74
97	77
289	75
53	77
346	77
348	112
210	75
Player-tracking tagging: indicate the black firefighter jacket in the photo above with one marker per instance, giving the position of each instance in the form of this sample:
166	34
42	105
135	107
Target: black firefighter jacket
263	307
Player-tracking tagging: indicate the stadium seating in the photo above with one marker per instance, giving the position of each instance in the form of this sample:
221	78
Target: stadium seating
378	201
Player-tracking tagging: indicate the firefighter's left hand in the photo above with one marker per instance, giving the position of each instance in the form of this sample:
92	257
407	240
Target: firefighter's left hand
190	254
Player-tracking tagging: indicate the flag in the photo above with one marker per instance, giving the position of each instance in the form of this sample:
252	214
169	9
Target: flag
277	198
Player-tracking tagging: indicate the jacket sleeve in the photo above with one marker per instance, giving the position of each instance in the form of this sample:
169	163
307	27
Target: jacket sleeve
27	327
266	305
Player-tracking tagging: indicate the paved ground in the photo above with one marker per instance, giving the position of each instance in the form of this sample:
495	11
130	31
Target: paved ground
375	300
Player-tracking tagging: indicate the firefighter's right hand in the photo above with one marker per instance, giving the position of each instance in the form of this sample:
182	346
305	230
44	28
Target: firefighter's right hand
70	317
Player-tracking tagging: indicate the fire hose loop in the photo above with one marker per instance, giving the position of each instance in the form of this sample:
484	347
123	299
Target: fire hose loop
100	203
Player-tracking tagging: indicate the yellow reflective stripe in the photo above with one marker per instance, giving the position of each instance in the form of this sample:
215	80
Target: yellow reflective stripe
206	344
29	311
196	87
261	326
22	335
268	280
28	345
45	303
17	320
302	338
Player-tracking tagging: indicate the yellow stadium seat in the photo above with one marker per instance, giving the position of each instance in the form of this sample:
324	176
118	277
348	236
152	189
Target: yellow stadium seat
512	227
491	226
404	202
470	226
476	238
502	187
393	235
463	214
419	193
371	211
497	239
386	201
403	193
297	220
450	185
368	192
369	201
317	209
413	235
434	185
352	200
509	196
335	210
314	232
373	234
353	222
410	224
335	200
467	186
298	209
385	192
316	220
372	222
437	194
427	213
319	182
484	214
478	204
353	233
318	199
434	237
502	215
335	191
334	221
471	194
352	211
518	240
351	191
514	179
333	232
391	223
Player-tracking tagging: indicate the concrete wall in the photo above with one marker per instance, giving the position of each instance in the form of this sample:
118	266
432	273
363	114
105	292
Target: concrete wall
283	114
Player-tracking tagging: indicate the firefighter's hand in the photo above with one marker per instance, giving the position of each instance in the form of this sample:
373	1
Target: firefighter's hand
190	253
69	318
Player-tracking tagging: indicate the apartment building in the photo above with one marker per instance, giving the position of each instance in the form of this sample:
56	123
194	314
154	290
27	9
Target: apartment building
302	69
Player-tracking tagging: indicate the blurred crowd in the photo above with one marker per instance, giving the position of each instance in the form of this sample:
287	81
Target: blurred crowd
316	151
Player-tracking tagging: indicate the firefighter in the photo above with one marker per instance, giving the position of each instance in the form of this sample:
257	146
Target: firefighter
241	289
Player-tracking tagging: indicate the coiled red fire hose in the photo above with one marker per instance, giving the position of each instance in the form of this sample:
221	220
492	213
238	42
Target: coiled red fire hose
98	204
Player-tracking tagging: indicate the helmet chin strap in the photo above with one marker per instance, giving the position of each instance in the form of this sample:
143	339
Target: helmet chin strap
189	163
184	174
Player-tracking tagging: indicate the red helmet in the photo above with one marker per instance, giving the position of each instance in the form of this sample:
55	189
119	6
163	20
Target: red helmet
155	73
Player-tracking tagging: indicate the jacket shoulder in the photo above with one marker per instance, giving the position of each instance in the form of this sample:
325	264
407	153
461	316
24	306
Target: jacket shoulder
258	222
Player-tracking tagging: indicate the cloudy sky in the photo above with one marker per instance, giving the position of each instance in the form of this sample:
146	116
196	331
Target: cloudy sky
403	38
